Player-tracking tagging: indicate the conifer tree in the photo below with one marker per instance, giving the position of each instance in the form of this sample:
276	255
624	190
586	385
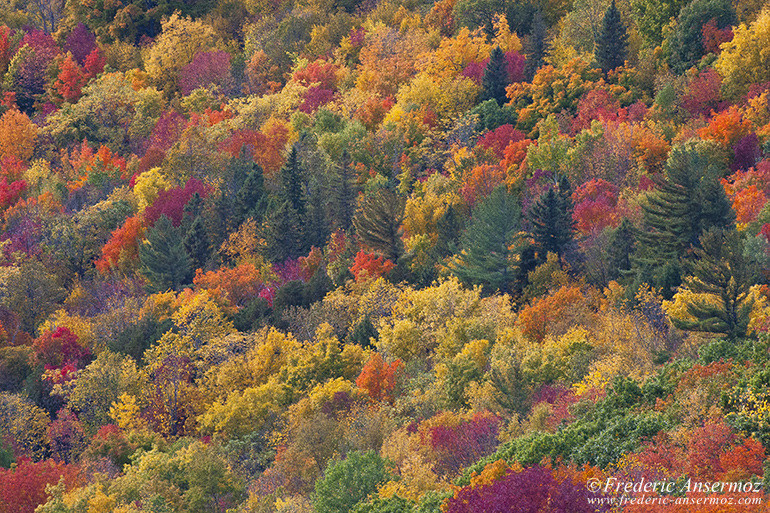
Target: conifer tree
196	242
612	43
251	198
283	233
551	220
685	203
293	183
486	245
723	274
535	46
496	77
163	258
343	193
378	222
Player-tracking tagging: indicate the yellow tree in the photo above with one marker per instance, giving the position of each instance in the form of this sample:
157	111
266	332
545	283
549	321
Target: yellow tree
181	38
17	135
745	60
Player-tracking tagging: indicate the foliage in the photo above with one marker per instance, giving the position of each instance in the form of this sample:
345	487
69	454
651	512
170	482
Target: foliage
348	482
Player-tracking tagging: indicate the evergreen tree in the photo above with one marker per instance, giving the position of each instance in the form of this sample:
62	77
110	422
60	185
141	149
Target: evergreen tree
551	221
685	43
196	242
378	222
685	203
282	234
496	77
316	231
237	169
724	274
612	43
621	247
486	245
163	258
293	183
343	193
251	198
535	46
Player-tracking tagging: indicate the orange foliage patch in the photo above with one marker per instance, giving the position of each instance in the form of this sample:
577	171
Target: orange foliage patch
535	319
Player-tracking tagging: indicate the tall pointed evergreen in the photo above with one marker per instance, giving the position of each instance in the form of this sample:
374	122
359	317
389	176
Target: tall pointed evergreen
251	198
496	77
163	258
535	46
486	255
612	43
343	193
196	242
551	221
293	183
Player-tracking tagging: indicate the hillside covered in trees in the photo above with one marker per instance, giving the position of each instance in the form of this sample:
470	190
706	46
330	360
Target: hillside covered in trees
388	256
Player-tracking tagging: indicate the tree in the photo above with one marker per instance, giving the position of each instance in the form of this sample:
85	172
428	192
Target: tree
552	221
535	47
685	43
196	242
346	483
292	180
721	279
163	258
496	77
487	251
612	44
251	199
378	222
344	193
744	60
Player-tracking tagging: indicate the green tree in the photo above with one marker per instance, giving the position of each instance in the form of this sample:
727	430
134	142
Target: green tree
378	222
551	220
496	77
251	199
652	15
535	46
723	273
292	180
343	193
163	258
487	244
685	44
196	242
612	43
686	202
346	483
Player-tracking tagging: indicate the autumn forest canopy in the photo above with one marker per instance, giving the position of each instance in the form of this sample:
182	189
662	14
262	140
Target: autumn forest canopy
387	256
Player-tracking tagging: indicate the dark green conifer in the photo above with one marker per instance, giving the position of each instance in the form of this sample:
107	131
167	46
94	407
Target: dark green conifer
163	258
486	256
551	220
496	77
378	222
196	242
612	43
251	199
535	46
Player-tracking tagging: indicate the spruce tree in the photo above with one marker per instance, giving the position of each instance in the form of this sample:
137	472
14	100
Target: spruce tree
551	221
196	242
283	233
612	43
378	222
496	77
293	183
251	198
722	273
163	258
535	46
343	193
486	245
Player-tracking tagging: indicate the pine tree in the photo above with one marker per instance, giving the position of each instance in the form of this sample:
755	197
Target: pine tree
378	222
551	220
496	77
163	258
535	46
621	247
196	242
486	245
612	43
686	202
724	274
283	233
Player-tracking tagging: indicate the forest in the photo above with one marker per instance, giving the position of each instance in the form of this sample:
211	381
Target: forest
384	256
